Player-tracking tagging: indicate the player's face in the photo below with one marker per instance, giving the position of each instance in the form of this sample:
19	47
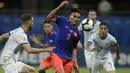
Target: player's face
74	17
103	31
92	15
30	22
48	27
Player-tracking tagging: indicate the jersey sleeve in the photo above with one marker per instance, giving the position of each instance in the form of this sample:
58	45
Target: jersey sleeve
50	41
75	42
21	38
80	27
96	27
59	20
12	31
113	40
92	37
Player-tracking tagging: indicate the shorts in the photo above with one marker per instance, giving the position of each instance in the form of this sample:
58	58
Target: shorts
10	66
88	58
61	64
107	64
19	66
47	61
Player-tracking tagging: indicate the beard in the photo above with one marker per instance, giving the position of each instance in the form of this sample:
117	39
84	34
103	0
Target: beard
30	28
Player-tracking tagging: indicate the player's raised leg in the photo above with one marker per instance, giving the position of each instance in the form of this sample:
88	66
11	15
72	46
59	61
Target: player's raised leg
9	65
109	66
42	68
96	67
57	63
24	68
45	64
68	67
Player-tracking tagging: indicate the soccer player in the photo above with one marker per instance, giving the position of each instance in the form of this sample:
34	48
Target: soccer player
17	39
50	40
64	54
102	43
89	55
50	34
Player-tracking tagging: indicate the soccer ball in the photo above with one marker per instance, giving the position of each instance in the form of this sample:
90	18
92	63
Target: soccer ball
87	24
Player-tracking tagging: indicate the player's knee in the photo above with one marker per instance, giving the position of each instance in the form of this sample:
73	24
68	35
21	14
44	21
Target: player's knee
60	71
41	70
112	71
31	70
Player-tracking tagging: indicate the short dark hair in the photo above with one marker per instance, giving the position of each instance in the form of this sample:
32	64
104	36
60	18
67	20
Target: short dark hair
48	21
26	17
75	10
104	23
91	10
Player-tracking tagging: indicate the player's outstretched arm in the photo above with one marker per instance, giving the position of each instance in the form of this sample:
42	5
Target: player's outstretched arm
4	36
87	46
117	51
79	45
53	12
36	50
76	68
34	39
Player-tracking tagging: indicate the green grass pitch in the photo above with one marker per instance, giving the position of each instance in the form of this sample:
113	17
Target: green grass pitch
84	70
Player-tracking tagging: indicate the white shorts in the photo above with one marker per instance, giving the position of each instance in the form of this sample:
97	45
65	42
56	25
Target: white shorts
88	58
19	66
107	64
10	66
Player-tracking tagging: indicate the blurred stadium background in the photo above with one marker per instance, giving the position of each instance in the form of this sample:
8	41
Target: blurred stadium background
114	12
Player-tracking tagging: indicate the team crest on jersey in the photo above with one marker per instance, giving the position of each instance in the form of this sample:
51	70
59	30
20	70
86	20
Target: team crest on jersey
107	44
66	27
51	41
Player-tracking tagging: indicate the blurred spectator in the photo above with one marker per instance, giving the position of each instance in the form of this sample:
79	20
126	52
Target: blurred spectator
75	5
1	5
13	4
104	7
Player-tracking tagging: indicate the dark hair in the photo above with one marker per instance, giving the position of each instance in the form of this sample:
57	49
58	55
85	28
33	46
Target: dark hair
48	21
75	10
91	10
26	17
104	23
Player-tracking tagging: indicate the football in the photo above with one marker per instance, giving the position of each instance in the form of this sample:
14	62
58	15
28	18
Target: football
87	24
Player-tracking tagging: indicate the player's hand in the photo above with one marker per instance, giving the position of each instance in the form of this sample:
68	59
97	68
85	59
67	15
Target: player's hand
63	3
92	49
49	49
33	38
76	68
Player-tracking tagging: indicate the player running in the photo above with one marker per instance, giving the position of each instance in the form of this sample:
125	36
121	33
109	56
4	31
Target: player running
49	41
66	40
89	55
102	56
16	40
